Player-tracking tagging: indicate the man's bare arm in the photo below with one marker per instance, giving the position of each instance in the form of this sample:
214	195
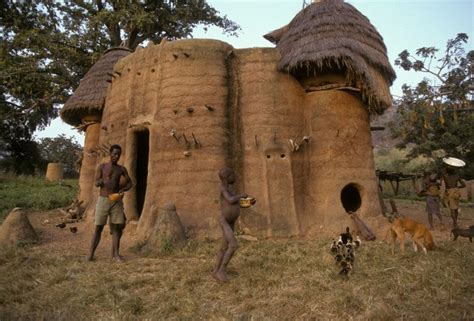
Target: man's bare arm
128	180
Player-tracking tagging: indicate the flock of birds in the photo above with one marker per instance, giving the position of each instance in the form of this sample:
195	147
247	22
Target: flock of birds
343	251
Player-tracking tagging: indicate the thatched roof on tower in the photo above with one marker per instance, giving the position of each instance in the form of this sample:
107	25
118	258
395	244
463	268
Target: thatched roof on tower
89	97
333	35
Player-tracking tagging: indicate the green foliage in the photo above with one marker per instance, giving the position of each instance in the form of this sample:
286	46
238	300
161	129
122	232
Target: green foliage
61	149
432	117
398	160
48	46
131	23
34	193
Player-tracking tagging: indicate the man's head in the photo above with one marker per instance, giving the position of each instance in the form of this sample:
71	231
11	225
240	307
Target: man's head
226	174
115	152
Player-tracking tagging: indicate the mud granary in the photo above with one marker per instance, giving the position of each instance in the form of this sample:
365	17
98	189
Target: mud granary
293	122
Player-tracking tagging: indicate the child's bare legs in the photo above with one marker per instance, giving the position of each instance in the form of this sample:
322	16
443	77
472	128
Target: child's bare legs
430	220
229	246
220	255
454	216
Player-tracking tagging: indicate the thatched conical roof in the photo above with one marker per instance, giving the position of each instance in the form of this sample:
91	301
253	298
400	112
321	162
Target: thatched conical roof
89	97
332	34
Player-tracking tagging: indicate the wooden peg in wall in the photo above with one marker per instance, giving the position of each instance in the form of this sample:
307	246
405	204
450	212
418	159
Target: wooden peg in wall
186	140
196	142
173	133
210	108
256	140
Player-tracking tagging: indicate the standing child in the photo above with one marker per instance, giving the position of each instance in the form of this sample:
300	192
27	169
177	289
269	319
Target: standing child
230	211
431	189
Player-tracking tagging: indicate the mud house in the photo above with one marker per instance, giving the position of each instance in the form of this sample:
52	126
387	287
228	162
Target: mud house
293	121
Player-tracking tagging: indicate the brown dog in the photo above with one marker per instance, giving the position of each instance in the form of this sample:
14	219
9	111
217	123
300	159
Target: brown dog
420	234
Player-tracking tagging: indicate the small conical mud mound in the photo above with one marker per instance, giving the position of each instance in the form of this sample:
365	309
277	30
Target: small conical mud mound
17	229
167	233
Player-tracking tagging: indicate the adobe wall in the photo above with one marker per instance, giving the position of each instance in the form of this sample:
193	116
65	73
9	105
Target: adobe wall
89	163
206	105
340	156
269	106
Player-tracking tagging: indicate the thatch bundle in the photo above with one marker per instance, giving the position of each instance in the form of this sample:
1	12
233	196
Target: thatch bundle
333	35
89	97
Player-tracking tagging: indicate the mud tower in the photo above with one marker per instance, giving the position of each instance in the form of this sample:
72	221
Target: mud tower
293	122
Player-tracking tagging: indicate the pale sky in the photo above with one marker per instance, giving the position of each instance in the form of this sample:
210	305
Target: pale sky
403	24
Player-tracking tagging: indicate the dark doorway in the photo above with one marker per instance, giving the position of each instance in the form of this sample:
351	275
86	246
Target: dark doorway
141	170
350	198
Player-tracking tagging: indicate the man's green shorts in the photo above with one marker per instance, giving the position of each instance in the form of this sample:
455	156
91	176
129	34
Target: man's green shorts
105	208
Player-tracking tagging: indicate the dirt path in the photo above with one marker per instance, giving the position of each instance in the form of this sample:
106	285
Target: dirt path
63	240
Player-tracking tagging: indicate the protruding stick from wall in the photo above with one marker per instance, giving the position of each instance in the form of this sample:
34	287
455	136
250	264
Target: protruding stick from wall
186	140
173	133
197	144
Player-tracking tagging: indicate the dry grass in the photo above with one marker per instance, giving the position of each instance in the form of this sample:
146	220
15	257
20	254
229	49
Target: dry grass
276	280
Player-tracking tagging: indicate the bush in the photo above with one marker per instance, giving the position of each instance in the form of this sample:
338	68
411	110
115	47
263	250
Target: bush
34	193
396	160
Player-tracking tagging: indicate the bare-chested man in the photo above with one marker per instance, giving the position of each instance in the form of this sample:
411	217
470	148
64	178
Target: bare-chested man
451	198
108	179
230	211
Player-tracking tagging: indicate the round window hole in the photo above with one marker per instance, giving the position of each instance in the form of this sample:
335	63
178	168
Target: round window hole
350	198
268	156
282	155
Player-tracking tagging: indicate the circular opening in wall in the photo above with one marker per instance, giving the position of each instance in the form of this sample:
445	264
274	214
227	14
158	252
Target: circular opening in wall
268	156
282	155
350	198
153	70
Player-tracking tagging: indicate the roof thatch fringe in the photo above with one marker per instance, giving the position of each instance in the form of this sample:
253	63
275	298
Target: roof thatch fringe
333	34
89	97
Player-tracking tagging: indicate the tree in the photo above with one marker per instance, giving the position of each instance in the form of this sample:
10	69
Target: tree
61	149
132	22
437	116
47	46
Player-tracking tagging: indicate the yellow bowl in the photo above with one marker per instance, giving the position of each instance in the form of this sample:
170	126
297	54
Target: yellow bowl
246	202
115	197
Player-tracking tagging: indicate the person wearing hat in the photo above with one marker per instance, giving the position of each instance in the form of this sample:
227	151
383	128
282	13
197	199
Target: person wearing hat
452	182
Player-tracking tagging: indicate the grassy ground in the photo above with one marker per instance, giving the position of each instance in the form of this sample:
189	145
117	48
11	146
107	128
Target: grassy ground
34	193
280	279
269	280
